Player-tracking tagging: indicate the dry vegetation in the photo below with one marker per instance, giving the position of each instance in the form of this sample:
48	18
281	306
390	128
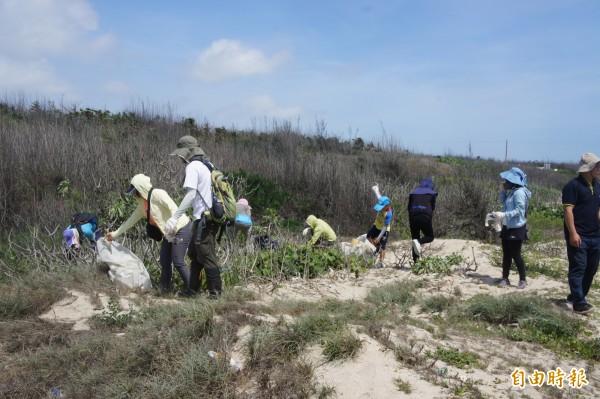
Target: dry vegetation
54	162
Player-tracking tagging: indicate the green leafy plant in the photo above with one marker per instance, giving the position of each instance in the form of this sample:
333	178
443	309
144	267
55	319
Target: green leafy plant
305	261
64	187
113	316
437	264
454	357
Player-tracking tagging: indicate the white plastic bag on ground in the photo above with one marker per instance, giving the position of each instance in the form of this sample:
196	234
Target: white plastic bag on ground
125	268
359	246
365	243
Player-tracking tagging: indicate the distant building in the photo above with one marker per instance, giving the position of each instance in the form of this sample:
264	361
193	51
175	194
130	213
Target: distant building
545	167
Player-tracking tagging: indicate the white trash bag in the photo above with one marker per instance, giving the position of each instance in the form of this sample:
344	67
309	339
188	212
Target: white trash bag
365	243
125	268
493	221
358	246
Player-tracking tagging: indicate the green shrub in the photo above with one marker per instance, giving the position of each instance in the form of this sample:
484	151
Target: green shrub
437	303
114	316
454	357
437	264
305	261
340	345
401	294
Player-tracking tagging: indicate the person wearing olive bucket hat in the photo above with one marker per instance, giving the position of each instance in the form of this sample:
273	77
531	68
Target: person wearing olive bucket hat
581	202
201	249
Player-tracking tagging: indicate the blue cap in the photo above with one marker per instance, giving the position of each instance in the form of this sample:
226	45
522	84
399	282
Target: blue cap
382	203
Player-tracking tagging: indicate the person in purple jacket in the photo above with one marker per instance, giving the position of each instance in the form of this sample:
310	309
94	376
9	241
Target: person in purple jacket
421	204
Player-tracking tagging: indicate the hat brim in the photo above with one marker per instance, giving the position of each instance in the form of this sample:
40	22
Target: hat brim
586	167
130	190
180	151
379	207
512	178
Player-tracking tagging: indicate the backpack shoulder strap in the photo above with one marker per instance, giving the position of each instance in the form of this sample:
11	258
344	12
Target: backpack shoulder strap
148	211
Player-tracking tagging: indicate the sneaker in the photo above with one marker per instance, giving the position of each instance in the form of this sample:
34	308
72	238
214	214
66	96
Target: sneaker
522	284
582	307
379	265
504	283
416	247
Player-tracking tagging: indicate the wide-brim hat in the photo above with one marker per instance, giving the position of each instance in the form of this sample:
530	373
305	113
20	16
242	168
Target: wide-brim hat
382	203
187	146
588	162
515	176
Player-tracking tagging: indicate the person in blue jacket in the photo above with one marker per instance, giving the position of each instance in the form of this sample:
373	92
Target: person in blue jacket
514	197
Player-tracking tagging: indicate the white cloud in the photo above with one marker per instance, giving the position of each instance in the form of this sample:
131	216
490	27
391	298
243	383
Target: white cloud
265	105
36	28
117	88
36	75
228	59
257	107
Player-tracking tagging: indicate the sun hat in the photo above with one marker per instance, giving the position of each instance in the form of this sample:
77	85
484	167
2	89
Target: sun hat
588	162
382	203
515	176
187	146
243	201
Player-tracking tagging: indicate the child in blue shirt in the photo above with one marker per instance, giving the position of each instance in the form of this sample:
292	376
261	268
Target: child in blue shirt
380	230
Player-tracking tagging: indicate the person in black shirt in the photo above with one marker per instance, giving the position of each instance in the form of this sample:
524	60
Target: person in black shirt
581	203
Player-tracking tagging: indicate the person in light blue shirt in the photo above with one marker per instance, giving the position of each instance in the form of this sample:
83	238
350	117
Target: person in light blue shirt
514	197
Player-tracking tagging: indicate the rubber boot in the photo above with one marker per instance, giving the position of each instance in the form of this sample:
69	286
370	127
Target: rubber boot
214	287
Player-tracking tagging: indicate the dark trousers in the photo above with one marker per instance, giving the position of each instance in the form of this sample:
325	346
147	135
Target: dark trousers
203	256
174	253
421	223
583	265
511	250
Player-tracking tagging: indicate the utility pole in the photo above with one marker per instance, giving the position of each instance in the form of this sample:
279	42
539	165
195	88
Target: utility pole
506	152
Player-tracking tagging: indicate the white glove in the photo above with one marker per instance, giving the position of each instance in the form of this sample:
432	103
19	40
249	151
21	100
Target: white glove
375	189
170	226
305	231
491	220
499	215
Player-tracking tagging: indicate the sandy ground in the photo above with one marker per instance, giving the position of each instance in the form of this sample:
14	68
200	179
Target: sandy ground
375	373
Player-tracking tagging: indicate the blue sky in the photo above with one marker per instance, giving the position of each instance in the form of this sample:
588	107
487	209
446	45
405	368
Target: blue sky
441	77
